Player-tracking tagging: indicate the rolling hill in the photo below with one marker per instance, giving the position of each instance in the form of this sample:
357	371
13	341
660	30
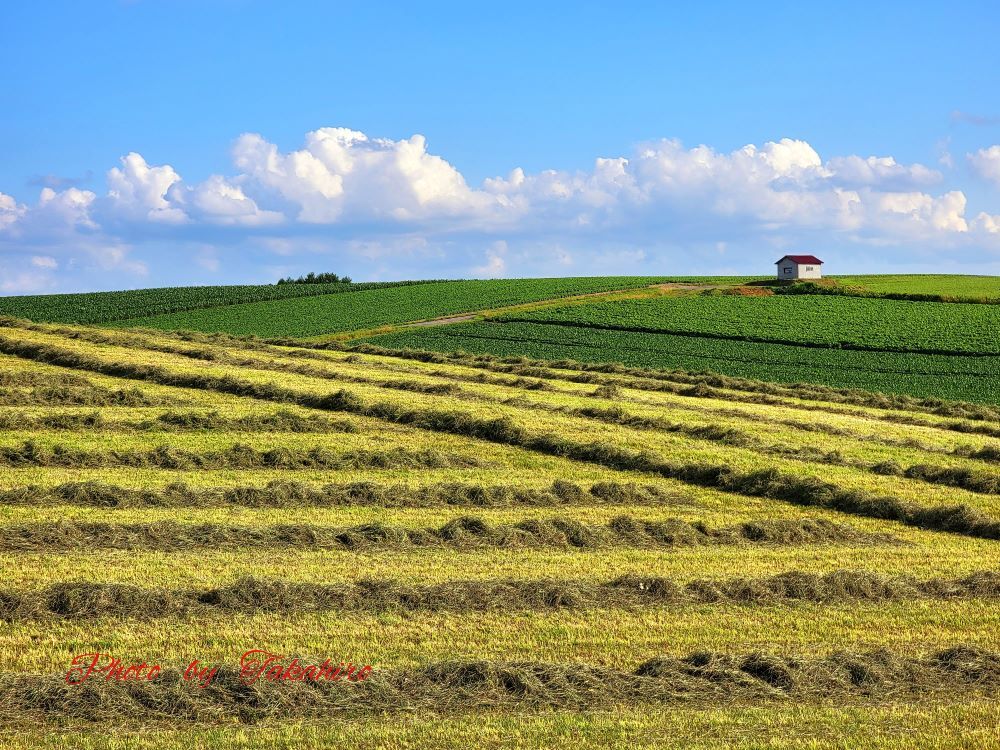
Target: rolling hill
599	555
907	335
926	349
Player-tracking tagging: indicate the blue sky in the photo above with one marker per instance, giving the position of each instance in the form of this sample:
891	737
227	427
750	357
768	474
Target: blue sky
152	143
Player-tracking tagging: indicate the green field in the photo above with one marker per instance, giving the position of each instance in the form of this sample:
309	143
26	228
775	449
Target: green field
848	322
597	558
986	287
924	349
919	348
964	378
316	315
107	307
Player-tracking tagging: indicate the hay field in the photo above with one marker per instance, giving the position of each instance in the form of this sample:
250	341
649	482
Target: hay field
547	554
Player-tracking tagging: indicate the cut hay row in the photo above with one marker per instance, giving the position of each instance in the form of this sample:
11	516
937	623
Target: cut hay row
465	532
292	494
978	483
613	415
613	388
81	396
125	601
33	378
967	479
177	421
771	484
709	385
237	456
452	687
525	512
804	391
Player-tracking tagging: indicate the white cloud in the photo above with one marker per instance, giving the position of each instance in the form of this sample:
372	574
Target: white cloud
44	261
988	223
496	265
342	175
389	205
695	192
883	171
945	213
69	208
986	163
220	201
10	211
139	191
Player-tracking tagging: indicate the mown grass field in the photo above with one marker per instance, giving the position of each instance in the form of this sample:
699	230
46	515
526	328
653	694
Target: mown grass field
527	553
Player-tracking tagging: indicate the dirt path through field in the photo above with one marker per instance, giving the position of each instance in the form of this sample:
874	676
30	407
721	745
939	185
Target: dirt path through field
553	302
679	285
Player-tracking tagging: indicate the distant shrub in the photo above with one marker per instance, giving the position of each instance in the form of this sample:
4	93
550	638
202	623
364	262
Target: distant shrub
317	278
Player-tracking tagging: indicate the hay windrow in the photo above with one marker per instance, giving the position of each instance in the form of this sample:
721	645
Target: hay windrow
769	483
31	378
609	415
465	532
283	420
698	384
702	678
237	456
293	494
89	395
81	600
633	377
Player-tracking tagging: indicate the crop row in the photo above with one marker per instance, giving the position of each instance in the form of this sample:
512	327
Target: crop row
316	315
949	286
107	307
826	321
974	379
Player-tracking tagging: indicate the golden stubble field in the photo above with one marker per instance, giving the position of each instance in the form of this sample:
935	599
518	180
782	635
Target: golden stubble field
523	551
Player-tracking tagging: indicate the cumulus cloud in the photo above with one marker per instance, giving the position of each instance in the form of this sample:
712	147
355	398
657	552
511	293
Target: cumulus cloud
139	191
989	223
219	201
382	199
986	163
880	171
68	208
10	211
44	261
342	174
783	184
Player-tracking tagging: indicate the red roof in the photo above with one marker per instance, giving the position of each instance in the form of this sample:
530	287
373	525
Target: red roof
801	259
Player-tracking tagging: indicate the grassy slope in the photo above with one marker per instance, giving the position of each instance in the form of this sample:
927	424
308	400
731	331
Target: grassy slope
947	284
615	637
790	339
106	307
823	321
313	316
